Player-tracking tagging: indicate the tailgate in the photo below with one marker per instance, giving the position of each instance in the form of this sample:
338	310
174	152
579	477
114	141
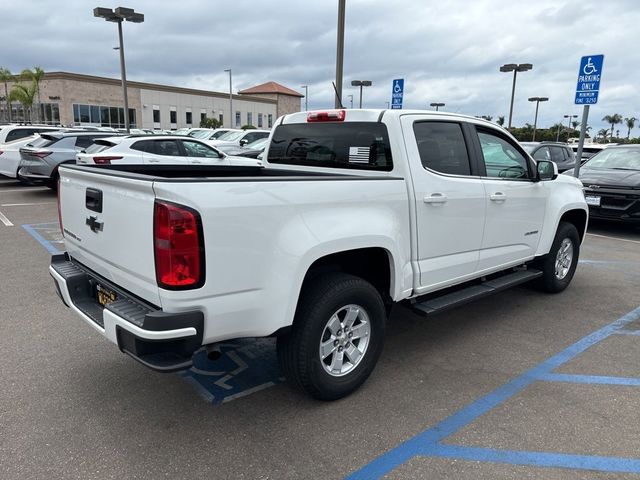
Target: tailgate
108	227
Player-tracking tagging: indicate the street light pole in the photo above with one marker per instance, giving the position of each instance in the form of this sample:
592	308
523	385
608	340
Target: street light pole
437	105
230	98
361	83
535	121
306	95
119	15
515	68
340	52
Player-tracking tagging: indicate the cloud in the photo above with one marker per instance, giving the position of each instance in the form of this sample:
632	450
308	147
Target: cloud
446	51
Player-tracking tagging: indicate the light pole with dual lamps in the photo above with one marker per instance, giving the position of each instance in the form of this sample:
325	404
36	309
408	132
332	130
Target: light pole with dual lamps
535	120
361	83
119	15
437	105
515	68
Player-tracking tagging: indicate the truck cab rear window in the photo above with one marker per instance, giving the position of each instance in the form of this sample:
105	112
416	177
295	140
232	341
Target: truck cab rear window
353	145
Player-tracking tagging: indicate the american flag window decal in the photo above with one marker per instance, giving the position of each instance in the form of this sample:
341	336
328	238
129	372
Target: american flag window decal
359	154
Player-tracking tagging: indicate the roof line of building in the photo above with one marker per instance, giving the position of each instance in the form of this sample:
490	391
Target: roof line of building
152	86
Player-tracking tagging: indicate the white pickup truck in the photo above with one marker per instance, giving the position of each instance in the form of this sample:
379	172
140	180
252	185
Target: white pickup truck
356	210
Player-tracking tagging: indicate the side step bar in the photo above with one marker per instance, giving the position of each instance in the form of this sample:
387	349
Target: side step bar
474	292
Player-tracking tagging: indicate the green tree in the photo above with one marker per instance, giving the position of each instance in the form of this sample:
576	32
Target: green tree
604	133
500	120
631	122
614	119
247	127
6	77
25	94
36	75
210	123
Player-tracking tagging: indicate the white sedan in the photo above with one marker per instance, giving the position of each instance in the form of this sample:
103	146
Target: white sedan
158	149
10	155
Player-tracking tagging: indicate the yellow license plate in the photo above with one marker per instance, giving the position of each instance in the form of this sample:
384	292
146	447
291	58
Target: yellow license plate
105	296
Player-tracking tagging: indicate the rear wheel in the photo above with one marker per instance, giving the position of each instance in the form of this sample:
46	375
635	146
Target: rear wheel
336	337
559	265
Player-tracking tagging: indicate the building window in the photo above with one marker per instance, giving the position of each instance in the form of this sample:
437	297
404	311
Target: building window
259	120
156	115
221	118
203	116
173	116
270	120
188	118
238	119
49	113
91	114
249	118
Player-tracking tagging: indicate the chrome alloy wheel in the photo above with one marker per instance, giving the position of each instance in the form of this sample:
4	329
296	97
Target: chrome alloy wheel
564	258
344	340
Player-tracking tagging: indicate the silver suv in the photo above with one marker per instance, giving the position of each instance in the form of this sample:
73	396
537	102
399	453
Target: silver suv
39	160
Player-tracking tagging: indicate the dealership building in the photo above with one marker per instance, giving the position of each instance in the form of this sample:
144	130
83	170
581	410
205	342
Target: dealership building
73	99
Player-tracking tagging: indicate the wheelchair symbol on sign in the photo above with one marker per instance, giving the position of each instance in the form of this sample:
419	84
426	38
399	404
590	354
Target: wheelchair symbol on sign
397	88
589	68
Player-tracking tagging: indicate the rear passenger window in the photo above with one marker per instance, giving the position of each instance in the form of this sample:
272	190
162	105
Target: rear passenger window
19	133
442	147
143	146
167	148
501	159
557	154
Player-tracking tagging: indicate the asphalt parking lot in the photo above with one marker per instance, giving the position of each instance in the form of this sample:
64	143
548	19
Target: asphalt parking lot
520	385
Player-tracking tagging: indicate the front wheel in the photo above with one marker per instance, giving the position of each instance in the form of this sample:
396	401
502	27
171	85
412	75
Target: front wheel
336	337
559	265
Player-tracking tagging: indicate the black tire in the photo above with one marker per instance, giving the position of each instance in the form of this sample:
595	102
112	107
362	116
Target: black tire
298	351
550	282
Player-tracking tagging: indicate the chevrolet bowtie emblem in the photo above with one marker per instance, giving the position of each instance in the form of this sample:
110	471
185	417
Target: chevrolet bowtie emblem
94	224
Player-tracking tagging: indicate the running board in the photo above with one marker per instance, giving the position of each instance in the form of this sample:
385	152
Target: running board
474	292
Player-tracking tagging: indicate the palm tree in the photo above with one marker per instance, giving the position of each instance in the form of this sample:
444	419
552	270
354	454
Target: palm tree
25	94
613	120
575	124
5	77
631	122
604	133
500	120
36	75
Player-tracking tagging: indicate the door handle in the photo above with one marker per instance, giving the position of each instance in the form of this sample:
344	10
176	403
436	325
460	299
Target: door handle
152	160
498	197
196	161
435	198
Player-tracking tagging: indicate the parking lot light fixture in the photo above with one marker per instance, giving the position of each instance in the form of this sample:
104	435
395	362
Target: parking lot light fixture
515	68
230	98
119	15
535	120
437	105
361	83
306	96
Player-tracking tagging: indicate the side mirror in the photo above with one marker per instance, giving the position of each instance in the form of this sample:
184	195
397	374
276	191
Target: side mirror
243	142
546	170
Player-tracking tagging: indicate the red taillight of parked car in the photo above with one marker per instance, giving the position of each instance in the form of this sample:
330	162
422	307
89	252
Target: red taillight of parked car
178	246
41	153
328	116
104	160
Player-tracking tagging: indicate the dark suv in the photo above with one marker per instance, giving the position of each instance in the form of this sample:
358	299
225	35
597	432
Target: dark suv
39	160
559	153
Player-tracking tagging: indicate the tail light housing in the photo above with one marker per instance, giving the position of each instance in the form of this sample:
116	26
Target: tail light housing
327	116
105	160
41	153
178	246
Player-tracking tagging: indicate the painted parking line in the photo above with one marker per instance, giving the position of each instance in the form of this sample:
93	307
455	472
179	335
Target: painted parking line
246	366
5	220
613	238
429	442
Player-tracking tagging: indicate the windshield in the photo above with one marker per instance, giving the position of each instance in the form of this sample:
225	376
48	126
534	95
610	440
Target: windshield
528	147
200	133
617	159
258	144
231	136
181	131
359	145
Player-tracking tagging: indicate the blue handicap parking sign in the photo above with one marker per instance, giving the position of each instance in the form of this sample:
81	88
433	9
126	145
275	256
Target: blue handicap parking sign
589	79
397	92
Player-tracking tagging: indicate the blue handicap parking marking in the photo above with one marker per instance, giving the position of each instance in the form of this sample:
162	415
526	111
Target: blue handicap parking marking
48	235
246	366
429	443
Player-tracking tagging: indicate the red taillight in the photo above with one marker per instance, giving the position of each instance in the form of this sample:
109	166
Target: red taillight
1	152
59	210
41	153
105	160
178	246
328	116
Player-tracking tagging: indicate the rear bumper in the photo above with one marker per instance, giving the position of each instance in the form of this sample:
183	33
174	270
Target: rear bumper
162	341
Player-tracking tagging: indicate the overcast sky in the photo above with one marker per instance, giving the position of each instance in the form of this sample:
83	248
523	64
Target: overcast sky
447	51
